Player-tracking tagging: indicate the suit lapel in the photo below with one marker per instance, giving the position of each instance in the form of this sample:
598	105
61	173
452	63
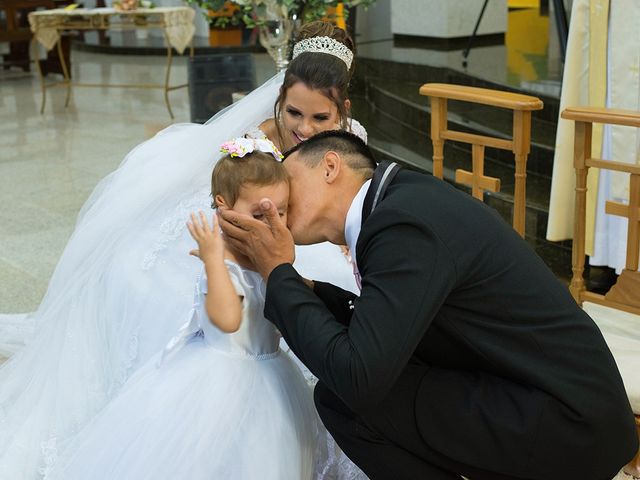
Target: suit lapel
382	177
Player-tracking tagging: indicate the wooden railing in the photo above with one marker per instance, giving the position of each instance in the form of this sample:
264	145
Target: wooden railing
519	144
625	294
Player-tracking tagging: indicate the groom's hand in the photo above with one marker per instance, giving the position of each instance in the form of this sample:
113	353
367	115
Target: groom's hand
266	243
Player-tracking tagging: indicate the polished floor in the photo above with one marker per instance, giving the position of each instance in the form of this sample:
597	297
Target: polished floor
50	163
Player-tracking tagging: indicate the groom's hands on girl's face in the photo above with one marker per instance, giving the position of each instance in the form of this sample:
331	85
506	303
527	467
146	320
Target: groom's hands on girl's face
267	243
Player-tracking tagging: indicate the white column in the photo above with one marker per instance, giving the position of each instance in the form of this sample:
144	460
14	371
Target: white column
447	19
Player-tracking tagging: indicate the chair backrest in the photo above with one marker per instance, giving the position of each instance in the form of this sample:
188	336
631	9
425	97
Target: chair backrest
625	294
519	144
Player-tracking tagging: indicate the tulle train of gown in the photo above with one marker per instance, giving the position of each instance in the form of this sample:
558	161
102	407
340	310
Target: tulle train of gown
15	330
214	406
121	287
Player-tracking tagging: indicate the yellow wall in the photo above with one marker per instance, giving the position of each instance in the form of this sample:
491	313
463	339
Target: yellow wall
527	40
523	3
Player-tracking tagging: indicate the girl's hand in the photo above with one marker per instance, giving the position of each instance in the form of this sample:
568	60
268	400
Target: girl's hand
209	239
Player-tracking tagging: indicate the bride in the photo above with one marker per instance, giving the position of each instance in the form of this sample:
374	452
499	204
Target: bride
124	282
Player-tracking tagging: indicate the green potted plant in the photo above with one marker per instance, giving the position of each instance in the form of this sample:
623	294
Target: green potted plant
226	20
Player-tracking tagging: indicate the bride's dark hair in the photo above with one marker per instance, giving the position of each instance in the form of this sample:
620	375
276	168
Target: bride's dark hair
319	71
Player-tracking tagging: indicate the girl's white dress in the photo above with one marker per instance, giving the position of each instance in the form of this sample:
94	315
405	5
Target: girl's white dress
211	406
121	287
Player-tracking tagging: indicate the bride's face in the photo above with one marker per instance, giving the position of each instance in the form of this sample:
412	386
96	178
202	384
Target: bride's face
306	112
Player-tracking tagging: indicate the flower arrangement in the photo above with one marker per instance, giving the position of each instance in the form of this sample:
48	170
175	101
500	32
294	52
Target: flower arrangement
128	5
222	13
250	12
306	10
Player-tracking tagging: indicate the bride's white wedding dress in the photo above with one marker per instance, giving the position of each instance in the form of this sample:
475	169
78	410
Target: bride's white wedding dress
121	287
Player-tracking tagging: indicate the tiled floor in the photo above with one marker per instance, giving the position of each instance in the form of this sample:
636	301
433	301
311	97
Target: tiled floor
50	163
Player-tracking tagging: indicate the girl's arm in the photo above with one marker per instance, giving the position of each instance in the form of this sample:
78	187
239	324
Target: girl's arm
223	305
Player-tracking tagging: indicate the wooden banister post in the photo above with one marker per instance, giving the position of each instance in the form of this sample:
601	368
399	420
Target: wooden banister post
438	125
521	146
633	235
582	151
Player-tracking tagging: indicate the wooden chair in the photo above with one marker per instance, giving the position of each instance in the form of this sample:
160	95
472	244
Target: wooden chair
617	313
521	105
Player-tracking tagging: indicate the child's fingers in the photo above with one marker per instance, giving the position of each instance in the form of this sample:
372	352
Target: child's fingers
195	223
191	229
214	224
205	222
195	253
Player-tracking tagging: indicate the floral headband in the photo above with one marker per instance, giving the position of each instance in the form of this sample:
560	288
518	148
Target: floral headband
239	147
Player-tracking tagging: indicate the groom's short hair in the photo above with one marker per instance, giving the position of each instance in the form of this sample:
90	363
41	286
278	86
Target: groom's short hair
348	145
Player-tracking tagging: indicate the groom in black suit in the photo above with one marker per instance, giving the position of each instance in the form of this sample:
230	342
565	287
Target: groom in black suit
463	355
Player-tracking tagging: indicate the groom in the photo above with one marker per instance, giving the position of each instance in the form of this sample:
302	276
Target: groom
463	355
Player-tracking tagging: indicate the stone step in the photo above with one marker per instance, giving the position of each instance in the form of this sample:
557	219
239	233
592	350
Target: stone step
401	100
402	72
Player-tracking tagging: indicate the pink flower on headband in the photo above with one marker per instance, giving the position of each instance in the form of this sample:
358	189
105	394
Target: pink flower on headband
239	147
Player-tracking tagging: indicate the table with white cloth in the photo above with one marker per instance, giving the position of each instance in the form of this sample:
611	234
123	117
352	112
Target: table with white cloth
175	22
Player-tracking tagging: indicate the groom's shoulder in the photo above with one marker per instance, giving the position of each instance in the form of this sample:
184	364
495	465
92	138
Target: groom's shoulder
415	184
423	196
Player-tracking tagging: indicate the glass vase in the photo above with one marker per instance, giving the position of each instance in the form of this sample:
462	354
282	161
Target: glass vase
275	28
275	37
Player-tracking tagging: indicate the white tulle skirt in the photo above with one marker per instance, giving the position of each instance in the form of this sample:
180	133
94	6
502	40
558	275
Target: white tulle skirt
201	415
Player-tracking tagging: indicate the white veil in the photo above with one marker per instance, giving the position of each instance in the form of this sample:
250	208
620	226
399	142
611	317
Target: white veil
237	119
48	388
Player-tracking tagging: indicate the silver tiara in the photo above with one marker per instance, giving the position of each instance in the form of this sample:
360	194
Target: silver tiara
324	45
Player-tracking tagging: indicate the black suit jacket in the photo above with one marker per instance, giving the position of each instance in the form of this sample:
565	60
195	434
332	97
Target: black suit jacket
512	360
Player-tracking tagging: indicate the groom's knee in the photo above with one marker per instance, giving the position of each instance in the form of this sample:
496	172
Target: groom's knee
329	404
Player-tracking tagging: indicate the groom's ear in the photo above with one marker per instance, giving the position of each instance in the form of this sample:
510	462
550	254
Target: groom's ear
331	164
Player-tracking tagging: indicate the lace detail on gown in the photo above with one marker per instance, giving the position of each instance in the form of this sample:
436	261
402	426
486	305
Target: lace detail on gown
337	466
49	456
175	224
255	133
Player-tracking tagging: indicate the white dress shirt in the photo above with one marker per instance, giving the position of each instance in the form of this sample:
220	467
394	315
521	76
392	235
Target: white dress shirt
353	224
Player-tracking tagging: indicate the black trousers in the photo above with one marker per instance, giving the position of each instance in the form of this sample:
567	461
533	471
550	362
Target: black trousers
386	443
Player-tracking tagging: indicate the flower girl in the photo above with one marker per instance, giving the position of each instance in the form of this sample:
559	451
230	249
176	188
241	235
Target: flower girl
221	401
